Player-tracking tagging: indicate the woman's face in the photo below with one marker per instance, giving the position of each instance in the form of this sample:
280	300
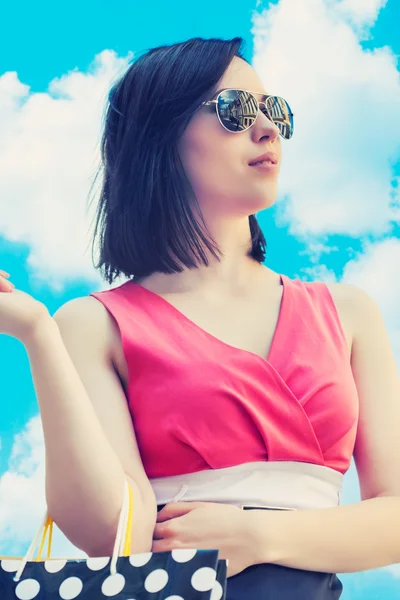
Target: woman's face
217	161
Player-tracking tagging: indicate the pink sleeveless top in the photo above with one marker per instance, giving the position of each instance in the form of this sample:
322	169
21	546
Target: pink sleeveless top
198	403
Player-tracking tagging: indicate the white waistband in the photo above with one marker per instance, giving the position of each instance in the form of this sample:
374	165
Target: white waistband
276	484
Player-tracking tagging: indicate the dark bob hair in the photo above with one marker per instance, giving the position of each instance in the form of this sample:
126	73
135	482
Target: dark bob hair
144	219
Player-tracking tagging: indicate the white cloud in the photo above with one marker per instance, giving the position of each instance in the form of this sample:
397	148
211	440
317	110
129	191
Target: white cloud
22	497
49	153
337	170
376	271
361	12
318	272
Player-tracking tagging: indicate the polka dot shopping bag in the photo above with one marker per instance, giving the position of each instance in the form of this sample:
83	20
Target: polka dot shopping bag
176	575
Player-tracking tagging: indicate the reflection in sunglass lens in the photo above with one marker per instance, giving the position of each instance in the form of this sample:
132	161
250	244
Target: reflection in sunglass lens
281	114
238	110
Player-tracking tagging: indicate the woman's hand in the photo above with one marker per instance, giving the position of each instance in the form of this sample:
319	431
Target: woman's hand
206	525
20	313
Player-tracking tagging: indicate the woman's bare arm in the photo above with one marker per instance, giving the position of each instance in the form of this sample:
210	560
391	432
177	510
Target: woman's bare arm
89	438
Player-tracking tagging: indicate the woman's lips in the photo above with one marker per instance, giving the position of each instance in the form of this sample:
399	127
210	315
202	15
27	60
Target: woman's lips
265	166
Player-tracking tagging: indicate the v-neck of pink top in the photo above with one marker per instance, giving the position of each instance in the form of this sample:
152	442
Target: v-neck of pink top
199	403
180	315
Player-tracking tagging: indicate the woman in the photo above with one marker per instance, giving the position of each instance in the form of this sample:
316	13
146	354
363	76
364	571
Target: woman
213	383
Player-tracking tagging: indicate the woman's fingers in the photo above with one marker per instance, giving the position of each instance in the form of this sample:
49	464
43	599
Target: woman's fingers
5	286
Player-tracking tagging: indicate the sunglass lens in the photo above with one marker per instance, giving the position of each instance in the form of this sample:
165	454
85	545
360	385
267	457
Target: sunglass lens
281	114
237	109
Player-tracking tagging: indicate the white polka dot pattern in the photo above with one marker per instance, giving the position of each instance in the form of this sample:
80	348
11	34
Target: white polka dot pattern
204	579
179	575
10	565
183	555
113	585
53	566
70	588
217	591
138	560
27	589
95	563
156	581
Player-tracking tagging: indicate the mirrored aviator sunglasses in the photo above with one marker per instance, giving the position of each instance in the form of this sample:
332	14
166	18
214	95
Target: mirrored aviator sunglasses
237	111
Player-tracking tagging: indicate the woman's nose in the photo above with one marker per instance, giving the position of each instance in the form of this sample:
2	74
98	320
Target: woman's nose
264	120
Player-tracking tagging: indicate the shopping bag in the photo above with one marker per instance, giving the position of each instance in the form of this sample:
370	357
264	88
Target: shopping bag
181	574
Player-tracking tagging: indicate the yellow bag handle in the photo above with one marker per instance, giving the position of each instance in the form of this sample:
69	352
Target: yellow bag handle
49	527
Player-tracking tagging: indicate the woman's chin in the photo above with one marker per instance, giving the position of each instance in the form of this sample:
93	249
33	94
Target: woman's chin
266	201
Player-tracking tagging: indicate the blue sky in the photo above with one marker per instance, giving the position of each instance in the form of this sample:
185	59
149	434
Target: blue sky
337	217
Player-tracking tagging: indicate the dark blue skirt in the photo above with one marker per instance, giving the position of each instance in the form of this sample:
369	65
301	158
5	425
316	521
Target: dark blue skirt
275	582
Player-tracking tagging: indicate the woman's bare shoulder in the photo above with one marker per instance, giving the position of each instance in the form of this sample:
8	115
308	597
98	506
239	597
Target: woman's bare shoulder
89	317
344	298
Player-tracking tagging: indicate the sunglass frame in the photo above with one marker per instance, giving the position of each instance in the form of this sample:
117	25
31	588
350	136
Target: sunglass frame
254	94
